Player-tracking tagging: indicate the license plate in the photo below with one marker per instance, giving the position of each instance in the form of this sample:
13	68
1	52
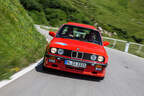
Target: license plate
75	64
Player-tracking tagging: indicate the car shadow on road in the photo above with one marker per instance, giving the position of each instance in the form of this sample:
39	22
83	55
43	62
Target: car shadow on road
39	68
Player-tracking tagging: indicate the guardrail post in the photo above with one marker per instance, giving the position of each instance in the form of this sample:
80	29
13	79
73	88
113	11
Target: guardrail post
114	43
140	47
127	47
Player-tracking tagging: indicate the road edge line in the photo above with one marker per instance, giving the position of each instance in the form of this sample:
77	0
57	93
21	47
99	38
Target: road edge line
19	74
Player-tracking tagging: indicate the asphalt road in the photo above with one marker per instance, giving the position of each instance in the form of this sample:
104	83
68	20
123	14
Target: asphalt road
124	77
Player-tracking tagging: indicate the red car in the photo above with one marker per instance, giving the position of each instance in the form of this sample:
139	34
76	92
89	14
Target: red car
77	48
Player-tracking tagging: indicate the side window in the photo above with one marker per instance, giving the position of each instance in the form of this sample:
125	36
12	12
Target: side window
86	33
65	30
97	36
93	36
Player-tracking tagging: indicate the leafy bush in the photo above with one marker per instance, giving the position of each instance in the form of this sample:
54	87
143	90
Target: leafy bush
38	17
66	6
56	17
31	5
79	17
55	14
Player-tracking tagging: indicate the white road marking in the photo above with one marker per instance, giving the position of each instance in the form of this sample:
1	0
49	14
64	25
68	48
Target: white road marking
29	68
19	74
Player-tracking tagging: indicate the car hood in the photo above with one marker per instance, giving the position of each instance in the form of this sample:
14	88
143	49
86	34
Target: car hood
82	46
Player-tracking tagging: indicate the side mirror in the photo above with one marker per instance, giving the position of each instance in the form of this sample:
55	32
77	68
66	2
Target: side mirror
52	34
106	43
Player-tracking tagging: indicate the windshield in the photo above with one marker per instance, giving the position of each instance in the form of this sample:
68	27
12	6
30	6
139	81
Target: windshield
79	33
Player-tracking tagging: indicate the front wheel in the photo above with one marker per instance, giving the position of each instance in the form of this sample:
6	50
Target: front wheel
43	67
101	78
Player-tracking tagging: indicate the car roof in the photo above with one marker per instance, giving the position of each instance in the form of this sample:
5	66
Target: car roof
80	25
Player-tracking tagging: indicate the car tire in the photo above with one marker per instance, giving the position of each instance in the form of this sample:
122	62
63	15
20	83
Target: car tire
101	78
43	67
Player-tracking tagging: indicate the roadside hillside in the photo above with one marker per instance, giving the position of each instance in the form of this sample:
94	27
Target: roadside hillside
20	44
125	17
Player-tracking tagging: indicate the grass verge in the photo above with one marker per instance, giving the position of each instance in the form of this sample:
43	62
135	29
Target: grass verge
20	43
133	48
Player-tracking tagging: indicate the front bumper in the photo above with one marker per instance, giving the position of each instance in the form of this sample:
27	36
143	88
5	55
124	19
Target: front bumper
59	65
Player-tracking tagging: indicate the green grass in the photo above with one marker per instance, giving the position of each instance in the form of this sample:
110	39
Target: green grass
133	48
110	41
38	17
119	45
123	14
20	43
142	49
125	17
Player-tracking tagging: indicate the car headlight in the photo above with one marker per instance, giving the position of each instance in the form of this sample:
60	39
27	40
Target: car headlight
100	58
93	57
60	51
53	50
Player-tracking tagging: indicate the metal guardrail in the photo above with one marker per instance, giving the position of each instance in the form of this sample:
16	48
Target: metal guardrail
127	44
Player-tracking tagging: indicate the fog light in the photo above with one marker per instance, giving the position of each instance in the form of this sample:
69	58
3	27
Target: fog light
98	68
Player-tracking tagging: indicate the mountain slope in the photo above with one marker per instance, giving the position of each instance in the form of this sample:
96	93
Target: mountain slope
125	17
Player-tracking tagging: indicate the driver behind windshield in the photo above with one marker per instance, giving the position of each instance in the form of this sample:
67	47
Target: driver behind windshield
91	36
